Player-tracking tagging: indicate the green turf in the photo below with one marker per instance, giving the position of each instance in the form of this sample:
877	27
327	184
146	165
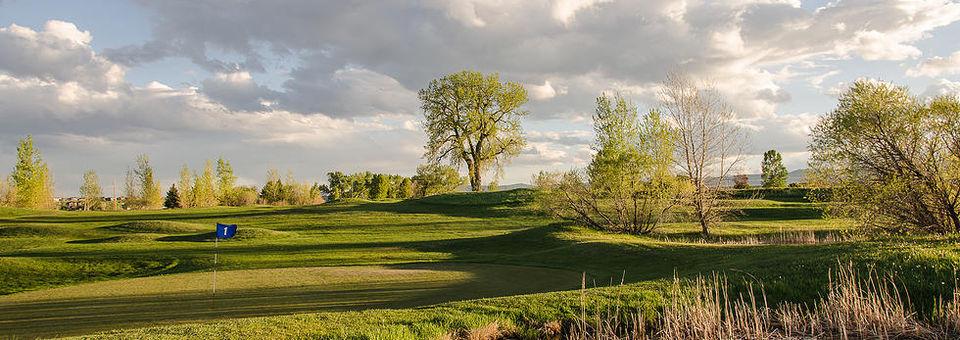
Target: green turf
62	249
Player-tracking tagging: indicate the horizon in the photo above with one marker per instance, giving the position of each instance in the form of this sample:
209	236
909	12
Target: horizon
322	87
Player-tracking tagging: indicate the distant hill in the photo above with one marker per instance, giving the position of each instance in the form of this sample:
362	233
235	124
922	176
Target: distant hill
795	176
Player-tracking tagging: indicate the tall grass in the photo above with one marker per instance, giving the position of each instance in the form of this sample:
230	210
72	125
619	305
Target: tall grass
803	237
873	306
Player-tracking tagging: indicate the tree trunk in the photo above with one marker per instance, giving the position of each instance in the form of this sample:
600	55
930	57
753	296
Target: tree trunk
704	225
473	173
475	183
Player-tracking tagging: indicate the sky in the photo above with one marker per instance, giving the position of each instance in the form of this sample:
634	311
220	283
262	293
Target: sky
311	86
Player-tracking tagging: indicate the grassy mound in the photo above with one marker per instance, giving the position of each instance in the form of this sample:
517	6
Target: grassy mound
37	231
132	238
160	227
513	197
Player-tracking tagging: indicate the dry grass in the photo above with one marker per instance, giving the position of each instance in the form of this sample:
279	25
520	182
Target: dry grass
792	237
870	307
490	331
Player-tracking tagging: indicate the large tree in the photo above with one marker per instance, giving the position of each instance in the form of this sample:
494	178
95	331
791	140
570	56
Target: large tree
474	119
90	191
892	160
773	173
31	180
709	142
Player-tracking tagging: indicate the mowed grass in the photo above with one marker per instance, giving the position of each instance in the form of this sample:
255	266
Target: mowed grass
497	241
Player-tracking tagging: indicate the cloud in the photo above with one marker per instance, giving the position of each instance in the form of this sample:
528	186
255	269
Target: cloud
59	52
545	91
942	87
630	43
564	11
238	91
87	120
937	66
346	91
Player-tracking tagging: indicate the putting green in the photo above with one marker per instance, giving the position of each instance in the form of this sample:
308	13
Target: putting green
174	298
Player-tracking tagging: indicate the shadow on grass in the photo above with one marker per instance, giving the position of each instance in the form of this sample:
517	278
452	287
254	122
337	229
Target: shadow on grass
84	315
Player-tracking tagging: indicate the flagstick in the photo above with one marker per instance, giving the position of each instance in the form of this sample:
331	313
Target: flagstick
216	253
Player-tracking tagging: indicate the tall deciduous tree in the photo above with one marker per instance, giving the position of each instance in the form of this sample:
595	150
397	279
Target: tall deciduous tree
474	119
185	188
774	174
31	179
131	191
90	191
892	160
629	185
204	192
709	142
150	194
226	182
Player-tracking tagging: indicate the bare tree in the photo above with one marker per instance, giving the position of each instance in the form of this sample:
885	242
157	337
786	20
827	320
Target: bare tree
709	143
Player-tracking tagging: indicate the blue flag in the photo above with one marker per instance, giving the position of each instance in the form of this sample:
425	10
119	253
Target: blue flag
226	230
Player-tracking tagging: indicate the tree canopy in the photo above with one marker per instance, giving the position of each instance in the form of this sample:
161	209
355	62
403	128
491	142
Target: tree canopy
31	182
892	159
473	119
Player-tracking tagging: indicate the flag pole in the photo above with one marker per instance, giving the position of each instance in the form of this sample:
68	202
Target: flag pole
216	253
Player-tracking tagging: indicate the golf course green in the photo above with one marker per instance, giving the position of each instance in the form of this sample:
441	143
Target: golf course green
366	264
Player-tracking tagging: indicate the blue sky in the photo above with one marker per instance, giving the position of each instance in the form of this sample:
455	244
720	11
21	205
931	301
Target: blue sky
315	86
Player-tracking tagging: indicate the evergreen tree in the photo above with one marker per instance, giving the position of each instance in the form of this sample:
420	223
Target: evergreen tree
337	185
31	180
90	191
774	173
172	201
272	191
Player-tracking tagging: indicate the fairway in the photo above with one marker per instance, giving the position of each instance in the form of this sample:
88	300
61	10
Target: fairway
241	293
79	273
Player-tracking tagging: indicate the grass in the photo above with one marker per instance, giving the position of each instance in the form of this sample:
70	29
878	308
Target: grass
62	250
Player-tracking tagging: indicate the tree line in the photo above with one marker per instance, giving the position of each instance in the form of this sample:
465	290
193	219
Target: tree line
30	185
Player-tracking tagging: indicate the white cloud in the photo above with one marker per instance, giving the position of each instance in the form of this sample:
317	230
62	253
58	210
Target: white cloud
937	66
942	87
874	45
545	91
564	11
60	52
